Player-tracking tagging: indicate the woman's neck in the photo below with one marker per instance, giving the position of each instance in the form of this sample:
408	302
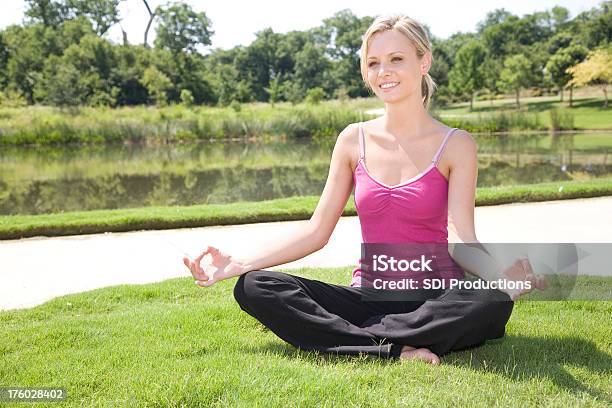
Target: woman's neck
408	118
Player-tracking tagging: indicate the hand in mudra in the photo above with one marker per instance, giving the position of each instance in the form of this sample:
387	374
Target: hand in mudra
218	267
521	271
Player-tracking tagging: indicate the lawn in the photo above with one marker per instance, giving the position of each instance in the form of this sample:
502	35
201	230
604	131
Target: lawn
588	112
174	344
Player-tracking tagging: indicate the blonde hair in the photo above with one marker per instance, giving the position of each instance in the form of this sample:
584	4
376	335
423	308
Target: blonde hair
415	32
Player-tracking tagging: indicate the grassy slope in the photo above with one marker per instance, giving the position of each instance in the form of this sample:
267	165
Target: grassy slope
587	108
173	344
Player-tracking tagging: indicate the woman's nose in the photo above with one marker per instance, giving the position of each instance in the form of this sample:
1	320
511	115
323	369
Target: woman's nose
384	70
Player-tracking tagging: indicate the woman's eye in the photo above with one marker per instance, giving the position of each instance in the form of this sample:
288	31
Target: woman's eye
371	64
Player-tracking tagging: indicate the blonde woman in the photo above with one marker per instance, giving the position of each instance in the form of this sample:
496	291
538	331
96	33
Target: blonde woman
411	174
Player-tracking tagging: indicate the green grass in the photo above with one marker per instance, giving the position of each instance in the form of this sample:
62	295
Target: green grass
587	112
173	344
43	125
284	209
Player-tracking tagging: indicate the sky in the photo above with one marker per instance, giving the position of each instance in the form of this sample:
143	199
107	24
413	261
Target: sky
236	22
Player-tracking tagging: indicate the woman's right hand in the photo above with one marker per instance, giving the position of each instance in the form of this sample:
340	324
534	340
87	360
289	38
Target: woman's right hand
220	266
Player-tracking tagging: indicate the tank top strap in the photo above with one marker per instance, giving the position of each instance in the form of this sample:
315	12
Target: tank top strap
361	142
442	146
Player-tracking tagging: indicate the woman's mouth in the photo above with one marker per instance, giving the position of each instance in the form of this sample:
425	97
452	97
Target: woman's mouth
388	85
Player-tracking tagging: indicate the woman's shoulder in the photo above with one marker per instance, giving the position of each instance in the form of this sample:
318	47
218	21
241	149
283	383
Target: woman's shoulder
461	141
348	143
349	135
460	147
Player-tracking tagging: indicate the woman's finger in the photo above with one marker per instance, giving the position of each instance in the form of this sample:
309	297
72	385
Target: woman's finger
199	273
187	263
212	249
527	266
197	262
209	250
205	284
191	266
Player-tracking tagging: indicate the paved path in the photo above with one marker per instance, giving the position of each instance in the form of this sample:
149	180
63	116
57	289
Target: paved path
35	270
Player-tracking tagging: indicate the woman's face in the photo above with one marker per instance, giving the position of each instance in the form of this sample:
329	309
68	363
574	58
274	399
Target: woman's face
394	70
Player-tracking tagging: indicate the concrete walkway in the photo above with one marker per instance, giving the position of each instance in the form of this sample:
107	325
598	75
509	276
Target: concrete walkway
35	270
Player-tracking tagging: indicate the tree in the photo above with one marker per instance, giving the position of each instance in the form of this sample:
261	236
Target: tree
48	12
189	72
256	63
131	63
559	15
315	95
500	38
310	64
4	57
596	69
516	74
102	13
490	69
28	48
151	18
182	29
514	35
274	90
561	39
594	27
442	62
157	83
558	64
186	97
342	32
61	84
341	35
292	91
493	18
467	77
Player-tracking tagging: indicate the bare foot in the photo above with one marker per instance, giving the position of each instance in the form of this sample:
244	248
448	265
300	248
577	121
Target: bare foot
411	353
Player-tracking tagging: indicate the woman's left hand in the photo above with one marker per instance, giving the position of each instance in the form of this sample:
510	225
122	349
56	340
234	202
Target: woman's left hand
521	270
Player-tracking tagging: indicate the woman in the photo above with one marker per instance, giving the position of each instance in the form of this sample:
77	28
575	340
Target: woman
417	170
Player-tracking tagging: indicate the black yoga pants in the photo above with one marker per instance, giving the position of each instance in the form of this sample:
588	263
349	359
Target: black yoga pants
314	315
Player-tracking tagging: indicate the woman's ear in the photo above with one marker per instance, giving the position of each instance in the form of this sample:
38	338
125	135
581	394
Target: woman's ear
425	63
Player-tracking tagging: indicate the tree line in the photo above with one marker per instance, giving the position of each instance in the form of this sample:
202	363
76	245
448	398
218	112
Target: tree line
60	55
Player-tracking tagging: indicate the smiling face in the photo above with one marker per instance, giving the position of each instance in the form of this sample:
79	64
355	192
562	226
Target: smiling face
394	69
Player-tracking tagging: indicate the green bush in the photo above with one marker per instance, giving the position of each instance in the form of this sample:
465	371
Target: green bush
315	95
186	97
561	119
235	105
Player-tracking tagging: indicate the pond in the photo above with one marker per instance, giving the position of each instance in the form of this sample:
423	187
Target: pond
48	180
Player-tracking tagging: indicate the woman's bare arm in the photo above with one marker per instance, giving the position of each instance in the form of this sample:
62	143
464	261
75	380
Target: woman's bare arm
315	234
482	260
462	155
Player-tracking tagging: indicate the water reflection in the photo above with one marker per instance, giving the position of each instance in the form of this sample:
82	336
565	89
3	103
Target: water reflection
45	180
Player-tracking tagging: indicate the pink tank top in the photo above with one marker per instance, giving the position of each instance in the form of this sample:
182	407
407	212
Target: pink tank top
414	211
